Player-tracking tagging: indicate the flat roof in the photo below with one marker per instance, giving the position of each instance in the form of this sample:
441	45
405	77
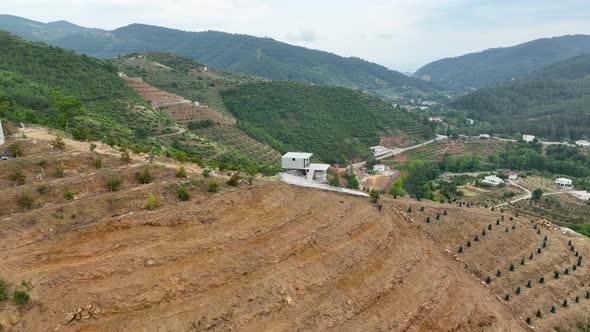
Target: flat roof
298	155
318	167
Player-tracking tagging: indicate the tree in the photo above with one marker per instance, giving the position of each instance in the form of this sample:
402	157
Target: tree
67	107
537	194
374	196
398	187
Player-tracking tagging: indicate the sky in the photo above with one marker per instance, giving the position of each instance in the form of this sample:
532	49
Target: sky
400	34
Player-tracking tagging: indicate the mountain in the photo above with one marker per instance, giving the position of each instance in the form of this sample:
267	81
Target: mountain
35	78
262	57
551	103
336	124
496	65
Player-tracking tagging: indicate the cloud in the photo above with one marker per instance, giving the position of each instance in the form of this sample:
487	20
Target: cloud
302	35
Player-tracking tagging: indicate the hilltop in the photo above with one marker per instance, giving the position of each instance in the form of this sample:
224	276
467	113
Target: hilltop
262	57
550	103
498	65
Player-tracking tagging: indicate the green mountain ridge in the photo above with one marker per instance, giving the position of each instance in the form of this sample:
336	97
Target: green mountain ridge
552	103
503	64
262	57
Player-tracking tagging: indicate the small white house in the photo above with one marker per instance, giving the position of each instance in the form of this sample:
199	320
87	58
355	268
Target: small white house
492	180
512	175
583	143
380	169
563	182
298	162
484	136
378	150
528	138
470	121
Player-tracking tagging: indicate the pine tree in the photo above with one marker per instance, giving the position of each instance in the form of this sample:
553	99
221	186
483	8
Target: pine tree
513	227
489	227
529	284
522	261
542	280
538	231
460	249
566	271
556	274
552	309
468	243
421	209
488	279
531	257
569	243
517	290
410	209
528	320
545	238
539	251
506	229
476	238
539	313
427	220
544	244
588	295
497	221
445	213
511	267
438	216
498	273
577	299
483	232
565	303
507	297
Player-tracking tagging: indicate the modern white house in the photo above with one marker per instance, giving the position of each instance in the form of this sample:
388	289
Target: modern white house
298	163
378	150
563	182
380	169
492	180
528	138
484	136
583	143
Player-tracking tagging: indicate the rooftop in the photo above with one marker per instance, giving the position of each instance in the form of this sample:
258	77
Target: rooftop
318	167
298	155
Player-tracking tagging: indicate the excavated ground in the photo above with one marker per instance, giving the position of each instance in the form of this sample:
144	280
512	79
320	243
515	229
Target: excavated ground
266	256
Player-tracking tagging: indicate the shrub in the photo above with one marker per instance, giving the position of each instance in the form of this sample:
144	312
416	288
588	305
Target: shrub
507	297
3	290
93	147
489	227
20	297
427	220
234	181
410	209
69	194
152	202
18	177
488	279
552	309
145	176
41	189
517	290
16	149
98	162
468	243
182	194
25	200
58	143
556	274
460	249
125	156
539	315
511	267
181	172
59	170
577	299
522	261
542	280
498	273
113	183
531	256
528	320
213	187
529	284
206	172
374	196
565	303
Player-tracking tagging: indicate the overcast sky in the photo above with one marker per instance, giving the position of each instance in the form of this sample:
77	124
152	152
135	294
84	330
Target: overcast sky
400	34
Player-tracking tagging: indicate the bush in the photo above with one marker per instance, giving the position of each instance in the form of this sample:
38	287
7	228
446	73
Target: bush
3	290
69	194
374	196
206	172
98	162
18	177
234	181
152	202
113	183
93	147
58	143
125	156
181	172
16	149
537	194
20	297
25	200
145	176
182	194
41	189
213	187
59	170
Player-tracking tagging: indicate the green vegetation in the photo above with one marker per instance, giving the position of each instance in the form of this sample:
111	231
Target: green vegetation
3	290
69	194
337	124
503	64
20	297
15	149
18	177
374	196
234	181
212	187
152	202
182	194
58	143
25	200
57	88
144	176
113	183
60	170
537	194
181	172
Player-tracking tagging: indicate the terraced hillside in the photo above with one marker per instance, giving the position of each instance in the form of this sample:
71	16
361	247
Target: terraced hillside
208	123
112	260
456	147
533	267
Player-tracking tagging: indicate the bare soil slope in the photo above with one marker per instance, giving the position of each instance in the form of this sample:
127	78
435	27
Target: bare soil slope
265	256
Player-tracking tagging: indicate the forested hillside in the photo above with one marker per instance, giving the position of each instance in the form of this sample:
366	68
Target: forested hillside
547	105
262	57
503	64
336	124
51	86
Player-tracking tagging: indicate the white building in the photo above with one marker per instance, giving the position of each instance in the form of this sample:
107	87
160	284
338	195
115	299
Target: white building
378	150
298	162
492	180
583	195
484	136
528	138
380	168
1	134
470	121
563	182
512	175
583	143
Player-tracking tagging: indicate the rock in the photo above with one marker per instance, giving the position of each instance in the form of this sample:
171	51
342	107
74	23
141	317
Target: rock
289	301
349	302
69	317
85	315
150	262
282	290
77	316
